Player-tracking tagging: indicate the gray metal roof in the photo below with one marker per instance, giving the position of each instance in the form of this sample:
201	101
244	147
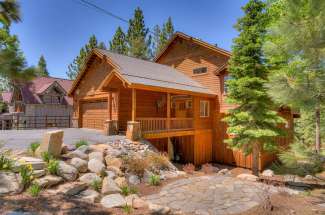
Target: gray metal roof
148	73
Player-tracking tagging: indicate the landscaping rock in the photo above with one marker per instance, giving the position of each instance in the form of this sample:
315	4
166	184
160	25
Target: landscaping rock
309	177
146	176
170	174
111	174
268	173
96	155
95	165
64	149
111	161
71	189
67	171
36	163
223	172
158	209
109	186
89	195
135	201
116	170
39	173
51	143
89	178
99	147
79	164
77	154
113	200
10	183
121	182
133	179
248	177
49	181
84	148
114	153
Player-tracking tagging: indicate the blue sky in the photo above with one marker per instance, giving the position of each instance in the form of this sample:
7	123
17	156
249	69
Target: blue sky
59	28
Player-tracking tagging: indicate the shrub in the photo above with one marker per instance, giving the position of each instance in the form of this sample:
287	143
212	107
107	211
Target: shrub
158	160
53	166
126	190
5	162
47	157
34	190
136	165
96	184
154	180
81	143
189	168
26	173
33	147
127	209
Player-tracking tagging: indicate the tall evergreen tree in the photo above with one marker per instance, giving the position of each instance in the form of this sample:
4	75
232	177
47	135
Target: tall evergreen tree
119	43
75	66
295	49
9	12
41	68
137	36
253	123
162	35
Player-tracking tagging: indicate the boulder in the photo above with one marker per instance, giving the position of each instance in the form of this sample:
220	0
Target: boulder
121	182
135	201
268	173
99	147
89	195
111	174
114	153
248	177
116	170
309	177
10	183
79	164
77	154
39	173
146	176
112	201
109	186
96	155
72	188
84	148
51	143
64	149
224	172
95	165
67	171
89	178
48	181
111	161
134	179
36	163
159	209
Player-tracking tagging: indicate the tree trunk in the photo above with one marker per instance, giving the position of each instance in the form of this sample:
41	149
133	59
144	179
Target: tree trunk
318	138
255	158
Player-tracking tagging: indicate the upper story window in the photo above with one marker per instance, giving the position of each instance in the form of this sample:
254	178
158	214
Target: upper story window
225	86
200	70
204	108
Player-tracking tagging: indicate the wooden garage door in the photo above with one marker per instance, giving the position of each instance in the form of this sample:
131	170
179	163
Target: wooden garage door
94	114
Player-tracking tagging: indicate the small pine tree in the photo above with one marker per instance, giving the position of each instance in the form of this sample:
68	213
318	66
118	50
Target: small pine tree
137	36
162	36
75	66
118	43
41	68
253	122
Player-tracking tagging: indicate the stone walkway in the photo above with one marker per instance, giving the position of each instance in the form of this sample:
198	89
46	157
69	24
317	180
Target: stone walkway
210	195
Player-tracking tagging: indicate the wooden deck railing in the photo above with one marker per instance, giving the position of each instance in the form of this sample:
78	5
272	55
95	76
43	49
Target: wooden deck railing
160	124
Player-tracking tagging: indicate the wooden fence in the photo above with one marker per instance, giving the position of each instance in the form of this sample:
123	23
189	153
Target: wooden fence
161	124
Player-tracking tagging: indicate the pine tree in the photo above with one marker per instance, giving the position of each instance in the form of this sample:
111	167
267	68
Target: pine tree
41	68
253	123
295	51
75	66
137	36
118	43
162	36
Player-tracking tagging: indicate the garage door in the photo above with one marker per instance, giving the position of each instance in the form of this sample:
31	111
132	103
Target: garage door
94	114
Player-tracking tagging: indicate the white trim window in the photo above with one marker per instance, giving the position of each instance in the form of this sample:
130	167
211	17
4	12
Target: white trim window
204	108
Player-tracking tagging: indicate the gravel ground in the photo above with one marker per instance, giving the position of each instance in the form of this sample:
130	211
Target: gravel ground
20	139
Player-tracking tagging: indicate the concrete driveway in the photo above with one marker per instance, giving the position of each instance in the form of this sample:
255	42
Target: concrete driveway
20	139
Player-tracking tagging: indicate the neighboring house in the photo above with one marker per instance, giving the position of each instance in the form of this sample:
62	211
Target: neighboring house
42	102
178	102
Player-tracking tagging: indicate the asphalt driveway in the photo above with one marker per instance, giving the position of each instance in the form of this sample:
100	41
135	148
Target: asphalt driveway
20	139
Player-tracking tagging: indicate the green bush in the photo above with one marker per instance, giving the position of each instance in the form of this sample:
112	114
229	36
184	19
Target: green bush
127	209
53	166
26	173
5	162
96	184
47	157
126	190
33	147
81	143
34	190
154	180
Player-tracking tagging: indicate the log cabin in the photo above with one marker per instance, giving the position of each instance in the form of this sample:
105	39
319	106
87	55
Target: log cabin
176	102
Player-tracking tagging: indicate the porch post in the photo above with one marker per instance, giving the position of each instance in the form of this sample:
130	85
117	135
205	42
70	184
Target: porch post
170	146
110	105
168	111
110	125
134	103
133	131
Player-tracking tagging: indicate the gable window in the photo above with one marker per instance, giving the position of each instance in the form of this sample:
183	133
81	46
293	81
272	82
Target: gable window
200	70
204	108
225	86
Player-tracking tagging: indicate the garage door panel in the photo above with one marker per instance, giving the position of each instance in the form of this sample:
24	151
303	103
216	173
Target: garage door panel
94	114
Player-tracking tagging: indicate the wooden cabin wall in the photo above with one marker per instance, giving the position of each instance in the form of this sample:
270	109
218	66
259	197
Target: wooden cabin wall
124	110
147	104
